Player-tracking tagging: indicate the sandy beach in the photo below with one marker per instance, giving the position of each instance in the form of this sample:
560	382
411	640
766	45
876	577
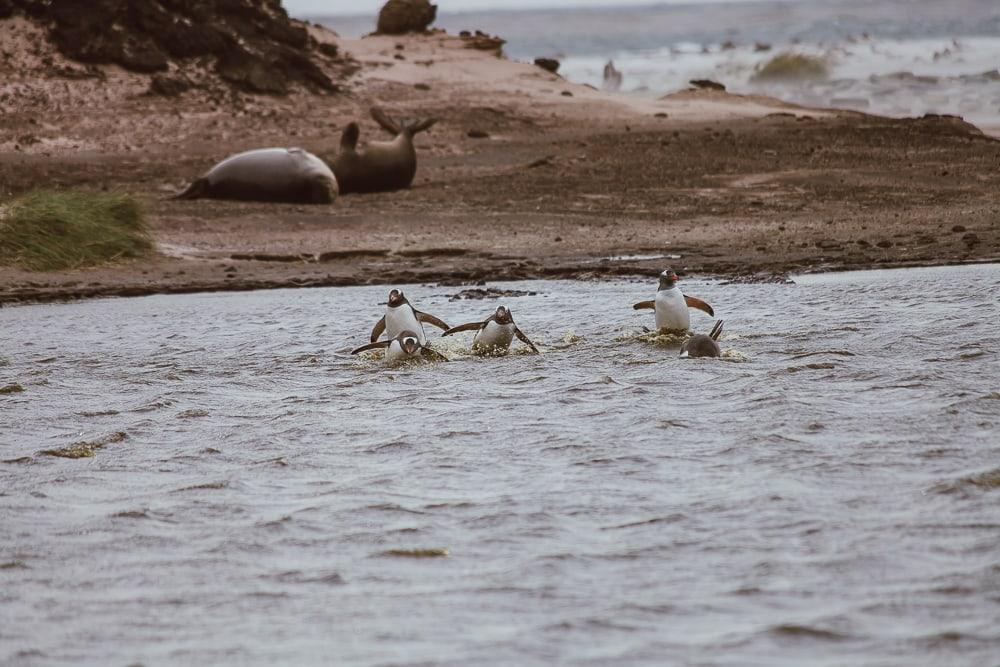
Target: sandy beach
525	176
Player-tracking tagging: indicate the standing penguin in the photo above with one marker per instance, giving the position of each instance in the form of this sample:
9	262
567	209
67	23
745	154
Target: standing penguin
381	165
494	334
701	345
671	306
404	347
400	316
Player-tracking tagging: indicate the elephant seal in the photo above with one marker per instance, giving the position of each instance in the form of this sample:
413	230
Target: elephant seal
268	174
381	165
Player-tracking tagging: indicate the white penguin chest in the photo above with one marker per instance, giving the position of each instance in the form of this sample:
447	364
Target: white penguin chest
402	318
672	310
395	353
493	337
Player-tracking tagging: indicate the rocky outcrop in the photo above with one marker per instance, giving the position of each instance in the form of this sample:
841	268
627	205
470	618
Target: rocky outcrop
402	16
253	44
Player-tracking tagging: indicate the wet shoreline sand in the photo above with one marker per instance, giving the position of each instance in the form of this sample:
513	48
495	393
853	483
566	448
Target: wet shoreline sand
584	184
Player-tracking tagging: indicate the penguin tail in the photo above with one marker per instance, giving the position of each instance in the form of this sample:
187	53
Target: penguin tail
716	331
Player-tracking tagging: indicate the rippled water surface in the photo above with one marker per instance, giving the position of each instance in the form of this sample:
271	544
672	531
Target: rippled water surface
827	495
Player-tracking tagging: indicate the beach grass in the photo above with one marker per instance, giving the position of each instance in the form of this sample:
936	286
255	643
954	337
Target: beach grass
51	230
789	66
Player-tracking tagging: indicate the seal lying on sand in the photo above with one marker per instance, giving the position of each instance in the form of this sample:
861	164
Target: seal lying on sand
268	174
381	165
701	345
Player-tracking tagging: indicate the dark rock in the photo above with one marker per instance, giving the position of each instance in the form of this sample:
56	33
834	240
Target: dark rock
548	64
970	238
148	35
398	17
958	228
327	49
482	42
168	86
477	134
566	93
706	84
884	244
488	293
421	86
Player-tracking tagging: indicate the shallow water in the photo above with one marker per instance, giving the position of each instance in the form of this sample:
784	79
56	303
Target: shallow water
830	495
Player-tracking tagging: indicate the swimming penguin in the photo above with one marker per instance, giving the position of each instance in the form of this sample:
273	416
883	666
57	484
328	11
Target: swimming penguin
701	345
400	316
494	334
671	305
404	347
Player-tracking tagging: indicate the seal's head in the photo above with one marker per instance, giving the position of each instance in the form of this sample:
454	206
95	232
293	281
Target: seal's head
396	298
668	279
349	138
408	341
503	316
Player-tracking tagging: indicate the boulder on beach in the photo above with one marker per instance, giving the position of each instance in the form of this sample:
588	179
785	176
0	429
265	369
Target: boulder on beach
252	45
548	64
398	17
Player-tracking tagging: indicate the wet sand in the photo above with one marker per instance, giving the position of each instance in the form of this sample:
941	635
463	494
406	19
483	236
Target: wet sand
565	185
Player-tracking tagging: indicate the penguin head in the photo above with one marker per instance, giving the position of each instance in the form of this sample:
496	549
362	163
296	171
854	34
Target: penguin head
396	298
503	315
408	341
668	279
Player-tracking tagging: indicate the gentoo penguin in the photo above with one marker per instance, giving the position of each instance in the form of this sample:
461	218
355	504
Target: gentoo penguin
404	347
701	345
671	305
400	316
494	334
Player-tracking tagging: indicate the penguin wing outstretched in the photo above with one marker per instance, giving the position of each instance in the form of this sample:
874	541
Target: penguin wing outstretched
433	354
471	326
378	330
645	304
372	346
524	339
695	302
430	319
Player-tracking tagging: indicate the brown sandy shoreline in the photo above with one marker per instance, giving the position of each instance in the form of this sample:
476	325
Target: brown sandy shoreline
737	187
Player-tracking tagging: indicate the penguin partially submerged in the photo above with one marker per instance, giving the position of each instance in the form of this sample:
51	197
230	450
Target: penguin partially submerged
404	347
494	334
400	316
701	345
671	306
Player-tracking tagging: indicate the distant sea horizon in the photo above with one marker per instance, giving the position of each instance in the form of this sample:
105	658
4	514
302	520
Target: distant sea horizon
892	57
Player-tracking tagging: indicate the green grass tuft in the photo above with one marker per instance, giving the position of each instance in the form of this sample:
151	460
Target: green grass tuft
49	230
790	66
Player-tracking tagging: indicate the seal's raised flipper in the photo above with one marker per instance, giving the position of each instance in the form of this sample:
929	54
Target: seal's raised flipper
471	326
196	190
383	119
716	331
524	339
379	328
372	346
645	304
694	302
419	125
433	354
349	137
430	319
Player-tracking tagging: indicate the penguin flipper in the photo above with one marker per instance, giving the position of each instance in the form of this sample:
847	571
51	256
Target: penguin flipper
371	346
524	339
716	331
645	304
379	328
471	326
433	354
694	302
430	319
